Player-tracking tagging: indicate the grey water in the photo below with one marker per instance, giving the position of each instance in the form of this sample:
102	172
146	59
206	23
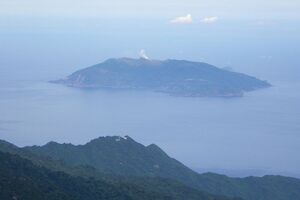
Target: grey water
254	135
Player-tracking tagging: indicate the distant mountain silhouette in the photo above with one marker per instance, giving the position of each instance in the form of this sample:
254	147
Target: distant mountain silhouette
175	77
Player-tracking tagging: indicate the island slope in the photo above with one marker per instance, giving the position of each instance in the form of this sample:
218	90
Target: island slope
175	77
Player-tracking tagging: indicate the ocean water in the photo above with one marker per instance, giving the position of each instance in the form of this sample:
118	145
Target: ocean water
259	132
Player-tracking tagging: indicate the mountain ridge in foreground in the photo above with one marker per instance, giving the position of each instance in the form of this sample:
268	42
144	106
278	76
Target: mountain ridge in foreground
125	157
21	179
174	77
28	176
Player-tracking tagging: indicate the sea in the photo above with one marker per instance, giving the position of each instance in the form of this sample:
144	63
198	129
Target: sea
257	134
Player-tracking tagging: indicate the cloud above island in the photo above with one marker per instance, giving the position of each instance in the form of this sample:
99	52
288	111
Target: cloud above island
188	19
209	20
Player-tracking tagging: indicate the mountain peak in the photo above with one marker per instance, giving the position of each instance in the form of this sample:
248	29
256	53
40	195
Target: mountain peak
156	149
112	154
131	158
103	139
132	61
174	77
52	143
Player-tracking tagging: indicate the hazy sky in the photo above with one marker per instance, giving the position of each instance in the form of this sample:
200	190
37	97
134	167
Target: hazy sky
63	35
235	9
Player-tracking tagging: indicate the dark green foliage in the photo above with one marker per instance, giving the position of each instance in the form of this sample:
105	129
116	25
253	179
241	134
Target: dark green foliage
116	155
107	153
252	188
21	179
152	170
176	77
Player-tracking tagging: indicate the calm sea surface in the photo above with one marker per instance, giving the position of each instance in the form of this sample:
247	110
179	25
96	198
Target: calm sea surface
260	131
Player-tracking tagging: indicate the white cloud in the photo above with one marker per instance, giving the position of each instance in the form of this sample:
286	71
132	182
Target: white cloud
209	20
143	54
183	19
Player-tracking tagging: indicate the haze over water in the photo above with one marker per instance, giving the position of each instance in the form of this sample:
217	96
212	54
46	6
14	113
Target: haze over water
256	134
253	135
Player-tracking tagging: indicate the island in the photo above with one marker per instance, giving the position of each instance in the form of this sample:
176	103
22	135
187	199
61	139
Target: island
174	77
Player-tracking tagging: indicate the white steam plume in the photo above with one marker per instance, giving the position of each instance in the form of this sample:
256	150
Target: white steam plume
143	54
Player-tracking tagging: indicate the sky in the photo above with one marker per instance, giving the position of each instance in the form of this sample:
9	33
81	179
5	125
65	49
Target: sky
58	36
234	9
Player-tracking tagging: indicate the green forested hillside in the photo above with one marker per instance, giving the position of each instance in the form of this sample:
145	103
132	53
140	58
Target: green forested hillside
251	188
22	179
122	160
